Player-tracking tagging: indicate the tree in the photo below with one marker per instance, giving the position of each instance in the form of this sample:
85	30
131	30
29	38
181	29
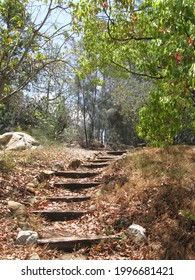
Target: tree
153	40
130	95
52	94
23	40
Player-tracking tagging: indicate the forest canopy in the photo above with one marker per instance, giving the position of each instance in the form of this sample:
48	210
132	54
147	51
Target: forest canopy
115	71
150	40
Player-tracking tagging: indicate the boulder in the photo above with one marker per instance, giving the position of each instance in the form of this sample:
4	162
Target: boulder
27	237
34	256
17	141
137	232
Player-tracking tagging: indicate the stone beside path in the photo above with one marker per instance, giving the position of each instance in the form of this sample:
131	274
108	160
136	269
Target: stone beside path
17	141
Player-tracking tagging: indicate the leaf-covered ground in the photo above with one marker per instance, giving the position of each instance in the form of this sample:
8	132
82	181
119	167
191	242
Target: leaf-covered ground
154	188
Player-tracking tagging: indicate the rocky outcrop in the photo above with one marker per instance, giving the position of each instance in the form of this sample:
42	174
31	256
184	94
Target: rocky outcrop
17	141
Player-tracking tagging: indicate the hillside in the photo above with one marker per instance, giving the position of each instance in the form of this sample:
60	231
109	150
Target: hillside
151	187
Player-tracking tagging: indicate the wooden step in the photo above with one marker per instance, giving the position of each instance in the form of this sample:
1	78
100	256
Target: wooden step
76	185
76	174
69	198
108	158
74	243
93	165
116	153
59	215
100	160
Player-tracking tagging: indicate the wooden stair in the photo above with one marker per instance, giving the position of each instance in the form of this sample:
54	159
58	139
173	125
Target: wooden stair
95	165
116	153
76	185
100	160
73	243
59	215
68	199
107	158
70	243
76	174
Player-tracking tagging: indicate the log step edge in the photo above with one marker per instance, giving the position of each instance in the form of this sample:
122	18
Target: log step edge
68	198
59	215
73	243
76	185
76	174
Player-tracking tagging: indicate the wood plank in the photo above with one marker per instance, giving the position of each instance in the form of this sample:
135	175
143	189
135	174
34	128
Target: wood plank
76	174
59	215
93	165
100	160
74	243
69	198
116	153
106	158
76	185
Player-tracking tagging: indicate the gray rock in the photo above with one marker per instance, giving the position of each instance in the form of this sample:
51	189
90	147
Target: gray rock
58	166
32	200
33	184
14	206
17	141
34	256
27	237
138	232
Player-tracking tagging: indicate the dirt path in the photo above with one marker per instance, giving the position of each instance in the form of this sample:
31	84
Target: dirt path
69	205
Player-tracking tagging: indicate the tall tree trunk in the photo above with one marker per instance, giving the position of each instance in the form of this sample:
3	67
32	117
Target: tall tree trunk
84	121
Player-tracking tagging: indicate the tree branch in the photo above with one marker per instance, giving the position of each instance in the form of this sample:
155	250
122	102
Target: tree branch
128	38
136	73
111	21
6	98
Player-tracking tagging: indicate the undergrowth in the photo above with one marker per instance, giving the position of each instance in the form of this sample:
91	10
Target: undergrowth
158	194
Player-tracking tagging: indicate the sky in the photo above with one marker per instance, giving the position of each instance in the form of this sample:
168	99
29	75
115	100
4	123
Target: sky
58	17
